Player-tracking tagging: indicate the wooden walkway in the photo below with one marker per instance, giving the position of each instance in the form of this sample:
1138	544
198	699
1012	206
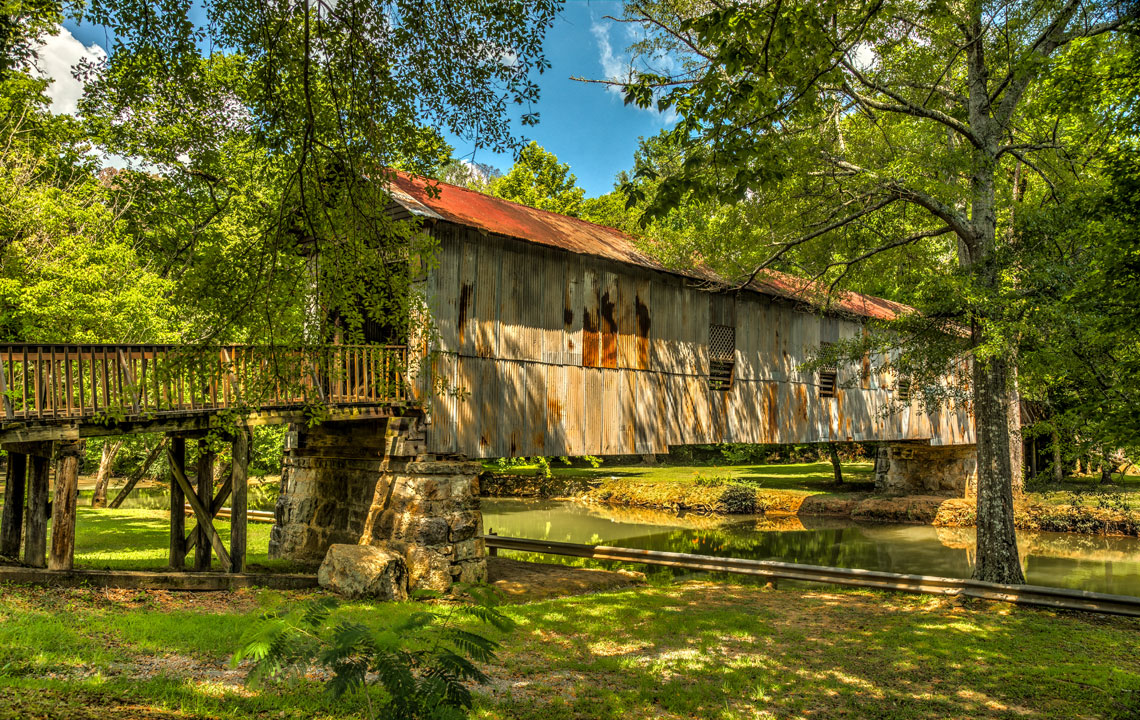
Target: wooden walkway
53	396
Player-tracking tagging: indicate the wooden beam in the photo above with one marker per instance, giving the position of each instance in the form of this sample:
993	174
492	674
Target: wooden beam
63	506
206	458
216	504
239	478
12	524
200	513
35	521
176	458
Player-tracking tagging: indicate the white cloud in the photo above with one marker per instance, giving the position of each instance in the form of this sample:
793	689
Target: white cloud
58	54
614	68
619	67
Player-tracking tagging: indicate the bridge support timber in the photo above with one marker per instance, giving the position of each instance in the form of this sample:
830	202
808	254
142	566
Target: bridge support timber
371	483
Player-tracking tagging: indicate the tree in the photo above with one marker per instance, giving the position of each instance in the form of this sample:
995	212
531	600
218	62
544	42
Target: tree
268	130
540	181
875	126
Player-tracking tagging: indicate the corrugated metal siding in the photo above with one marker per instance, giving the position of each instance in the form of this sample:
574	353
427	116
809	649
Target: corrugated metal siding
547	352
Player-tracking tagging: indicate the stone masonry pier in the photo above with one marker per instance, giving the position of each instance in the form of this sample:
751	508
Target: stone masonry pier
921	469
370	483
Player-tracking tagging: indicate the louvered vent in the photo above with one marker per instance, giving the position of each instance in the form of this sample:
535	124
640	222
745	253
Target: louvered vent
722	356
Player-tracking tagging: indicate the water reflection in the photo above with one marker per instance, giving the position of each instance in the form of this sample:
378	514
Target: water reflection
1060	559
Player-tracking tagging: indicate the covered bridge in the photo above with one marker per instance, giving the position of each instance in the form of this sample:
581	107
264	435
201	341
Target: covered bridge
557	336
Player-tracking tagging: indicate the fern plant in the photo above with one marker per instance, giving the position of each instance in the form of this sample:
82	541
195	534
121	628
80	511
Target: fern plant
422	664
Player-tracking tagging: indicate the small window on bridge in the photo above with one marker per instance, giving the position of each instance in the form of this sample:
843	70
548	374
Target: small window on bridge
828	374
828	382
722	356
903	390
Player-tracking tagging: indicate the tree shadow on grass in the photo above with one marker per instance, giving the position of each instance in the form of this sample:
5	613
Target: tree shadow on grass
732	652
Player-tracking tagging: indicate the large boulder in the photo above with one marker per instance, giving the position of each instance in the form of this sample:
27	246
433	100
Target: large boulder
357	571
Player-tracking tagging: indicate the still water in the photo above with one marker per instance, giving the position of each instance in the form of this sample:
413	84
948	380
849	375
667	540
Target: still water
1083	562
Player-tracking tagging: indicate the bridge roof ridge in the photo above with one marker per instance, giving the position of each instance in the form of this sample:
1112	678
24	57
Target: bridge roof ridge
462	206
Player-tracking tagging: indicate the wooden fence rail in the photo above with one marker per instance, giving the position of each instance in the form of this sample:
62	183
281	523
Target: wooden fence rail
46	382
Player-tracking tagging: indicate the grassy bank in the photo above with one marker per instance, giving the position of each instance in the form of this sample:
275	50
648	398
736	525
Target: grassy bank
690	650
1079	504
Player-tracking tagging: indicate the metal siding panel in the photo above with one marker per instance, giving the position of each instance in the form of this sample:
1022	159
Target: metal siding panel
490	393
446	301
574	412
573	308
608	298
627	321
467	322
534	414
593	403
512	301
556	441
553	291
487	288
467	406
591	318
441	438
611	413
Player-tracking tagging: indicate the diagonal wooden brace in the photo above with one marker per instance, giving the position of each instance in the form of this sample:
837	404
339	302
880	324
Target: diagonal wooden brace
205	520
216	504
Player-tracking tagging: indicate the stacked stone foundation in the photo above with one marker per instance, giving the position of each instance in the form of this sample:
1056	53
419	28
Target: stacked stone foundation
370	483
917	469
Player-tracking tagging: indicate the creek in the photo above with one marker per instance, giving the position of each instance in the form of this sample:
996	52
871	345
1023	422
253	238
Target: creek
1084	562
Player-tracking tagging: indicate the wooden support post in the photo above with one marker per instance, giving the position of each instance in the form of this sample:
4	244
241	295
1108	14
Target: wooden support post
206	457
12	525
68	455
240	504
177	458
35	521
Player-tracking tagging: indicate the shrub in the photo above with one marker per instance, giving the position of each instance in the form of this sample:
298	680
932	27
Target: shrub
422	663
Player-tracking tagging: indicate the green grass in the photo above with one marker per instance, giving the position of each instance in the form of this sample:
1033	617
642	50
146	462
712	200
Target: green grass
1121	493
801	477
692	650
140	540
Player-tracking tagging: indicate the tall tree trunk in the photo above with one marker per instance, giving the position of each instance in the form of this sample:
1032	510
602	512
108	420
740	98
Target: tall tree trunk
1058	466
103	476
836	468
997	559
1106	468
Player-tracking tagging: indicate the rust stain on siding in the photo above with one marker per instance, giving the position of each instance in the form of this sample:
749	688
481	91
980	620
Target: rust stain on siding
770	412
643	323
553	410
590	339
464	304
609	331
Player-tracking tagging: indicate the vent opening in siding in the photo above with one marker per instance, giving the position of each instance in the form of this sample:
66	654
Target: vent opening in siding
828	382
722	356
903	390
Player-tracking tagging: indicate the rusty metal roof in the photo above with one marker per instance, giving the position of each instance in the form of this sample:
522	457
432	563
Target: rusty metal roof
443	201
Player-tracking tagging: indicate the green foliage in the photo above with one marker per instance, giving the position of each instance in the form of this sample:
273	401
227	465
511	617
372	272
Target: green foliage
540	181
422	663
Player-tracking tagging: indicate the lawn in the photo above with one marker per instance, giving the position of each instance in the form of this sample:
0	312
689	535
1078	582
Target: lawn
696	649
139	539
803	477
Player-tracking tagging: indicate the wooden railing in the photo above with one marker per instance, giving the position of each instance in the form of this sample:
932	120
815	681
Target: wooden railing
44	382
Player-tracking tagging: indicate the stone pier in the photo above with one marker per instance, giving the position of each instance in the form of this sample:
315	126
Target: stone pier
920	469
370	483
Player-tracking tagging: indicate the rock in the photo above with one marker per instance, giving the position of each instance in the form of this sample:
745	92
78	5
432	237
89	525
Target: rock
427	570
364	571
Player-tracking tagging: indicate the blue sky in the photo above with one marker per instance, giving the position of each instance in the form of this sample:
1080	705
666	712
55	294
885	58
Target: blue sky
585	125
